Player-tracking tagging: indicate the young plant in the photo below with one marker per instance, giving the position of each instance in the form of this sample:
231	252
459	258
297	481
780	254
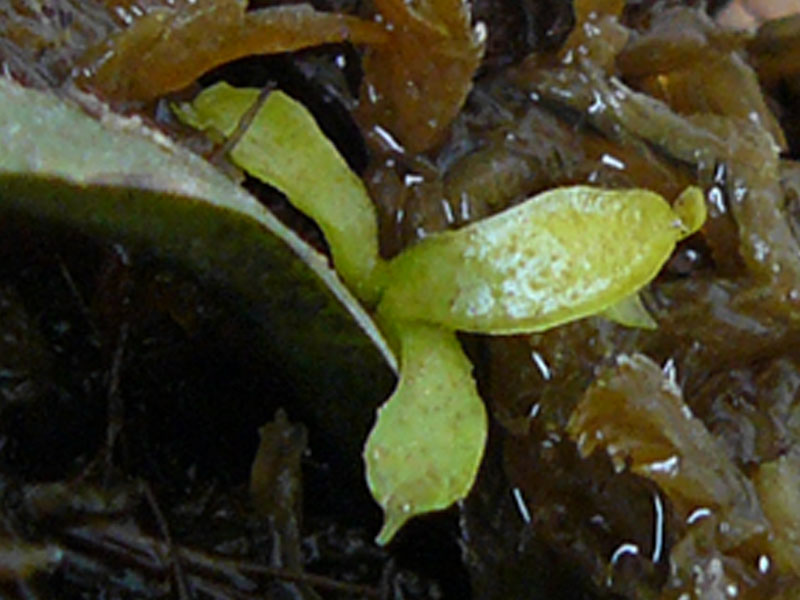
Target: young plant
530	268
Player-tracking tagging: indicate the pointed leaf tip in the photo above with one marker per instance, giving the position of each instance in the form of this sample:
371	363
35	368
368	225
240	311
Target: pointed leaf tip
424	451
393	521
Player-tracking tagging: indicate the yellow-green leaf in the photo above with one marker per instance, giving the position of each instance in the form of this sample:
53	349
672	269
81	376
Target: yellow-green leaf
284	147
425	449
690	206
630	312
560	256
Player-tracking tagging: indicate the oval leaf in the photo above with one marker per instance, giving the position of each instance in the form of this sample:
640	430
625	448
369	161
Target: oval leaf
560	256
425	449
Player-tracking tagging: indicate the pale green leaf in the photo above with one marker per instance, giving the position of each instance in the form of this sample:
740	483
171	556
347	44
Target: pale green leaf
284	147
560	256
425	449
630	312
690	206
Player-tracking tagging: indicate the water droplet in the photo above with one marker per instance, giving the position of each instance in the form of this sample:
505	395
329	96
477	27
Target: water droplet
522	507
626	548
449	217
412	179
542	365
613	162
667	466
717	199
480	33
697	514
764	564
387	137
658	528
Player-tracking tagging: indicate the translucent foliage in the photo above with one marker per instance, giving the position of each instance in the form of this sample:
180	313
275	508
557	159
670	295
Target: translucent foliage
529	268
319	183
630	312
171	46
419	62
777	485
416	84
560	256
638	95
637	414
427	444
435	414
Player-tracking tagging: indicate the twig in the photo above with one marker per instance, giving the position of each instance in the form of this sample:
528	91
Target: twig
116	407
318	581
174	555
244	124
238	572
76	294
